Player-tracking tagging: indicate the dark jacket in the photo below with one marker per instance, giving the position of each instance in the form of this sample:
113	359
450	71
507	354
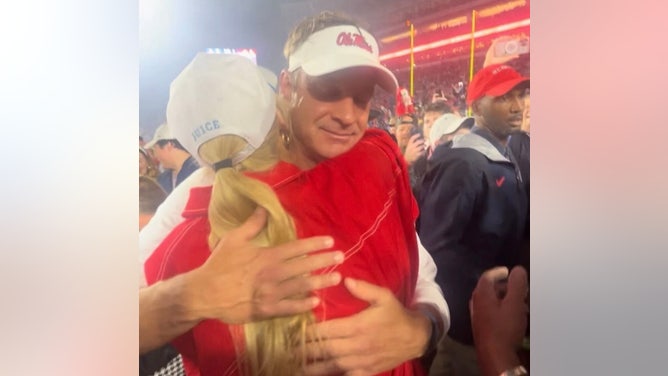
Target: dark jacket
419	169
519	143
416	173
189	166
473	213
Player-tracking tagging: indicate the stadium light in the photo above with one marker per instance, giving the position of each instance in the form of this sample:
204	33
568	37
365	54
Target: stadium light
457	39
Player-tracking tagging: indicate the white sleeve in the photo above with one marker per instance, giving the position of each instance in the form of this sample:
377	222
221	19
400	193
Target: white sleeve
427	290
169	215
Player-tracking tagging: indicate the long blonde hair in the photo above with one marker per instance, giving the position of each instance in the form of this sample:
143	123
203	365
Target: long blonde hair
267	347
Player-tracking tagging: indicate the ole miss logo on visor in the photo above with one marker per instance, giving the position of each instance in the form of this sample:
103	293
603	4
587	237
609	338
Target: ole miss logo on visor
350	39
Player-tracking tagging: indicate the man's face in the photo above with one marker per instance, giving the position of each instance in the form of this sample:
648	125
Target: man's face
404	133
501	115
161	153
429	118
330	114
526	125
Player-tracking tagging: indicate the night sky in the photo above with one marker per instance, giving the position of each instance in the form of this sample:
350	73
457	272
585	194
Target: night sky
173	31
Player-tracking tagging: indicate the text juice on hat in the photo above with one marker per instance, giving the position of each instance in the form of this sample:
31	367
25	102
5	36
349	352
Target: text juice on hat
206	127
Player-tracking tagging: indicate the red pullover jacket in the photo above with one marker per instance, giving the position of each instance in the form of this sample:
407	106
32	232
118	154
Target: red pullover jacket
362	198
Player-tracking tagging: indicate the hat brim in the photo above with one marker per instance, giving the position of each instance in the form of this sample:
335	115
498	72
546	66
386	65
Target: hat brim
144	152
500	89
452	125
469	121
334	63
507	86
150	144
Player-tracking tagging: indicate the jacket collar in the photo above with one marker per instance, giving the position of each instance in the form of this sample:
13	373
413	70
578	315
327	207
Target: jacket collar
481	140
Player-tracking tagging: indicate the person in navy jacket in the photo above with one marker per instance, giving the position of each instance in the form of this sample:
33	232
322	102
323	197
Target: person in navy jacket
474	206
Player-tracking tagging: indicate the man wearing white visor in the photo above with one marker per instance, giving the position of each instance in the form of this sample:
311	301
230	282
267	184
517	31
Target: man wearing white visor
333	68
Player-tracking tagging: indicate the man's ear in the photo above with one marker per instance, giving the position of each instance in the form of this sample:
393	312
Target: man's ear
285	87
475	106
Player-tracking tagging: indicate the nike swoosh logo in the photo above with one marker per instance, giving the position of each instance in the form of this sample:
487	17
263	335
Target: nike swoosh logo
499	181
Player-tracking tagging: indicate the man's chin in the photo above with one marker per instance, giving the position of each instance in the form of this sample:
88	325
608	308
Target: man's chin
334	150
515	124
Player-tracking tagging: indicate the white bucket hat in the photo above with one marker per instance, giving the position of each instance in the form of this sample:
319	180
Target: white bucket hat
219	94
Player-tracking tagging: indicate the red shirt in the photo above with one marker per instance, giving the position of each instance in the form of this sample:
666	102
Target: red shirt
362	198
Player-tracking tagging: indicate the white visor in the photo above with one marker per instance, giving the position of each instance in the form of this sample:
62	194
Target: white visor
341	47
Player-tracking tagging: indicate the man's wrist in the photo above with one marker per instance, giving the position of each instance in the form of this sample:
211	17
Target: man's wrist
496	359
164	313
187	308
436	332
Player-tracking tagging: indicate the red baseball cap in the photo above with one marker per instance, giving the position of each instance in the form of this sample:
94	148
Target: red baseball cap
493	80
